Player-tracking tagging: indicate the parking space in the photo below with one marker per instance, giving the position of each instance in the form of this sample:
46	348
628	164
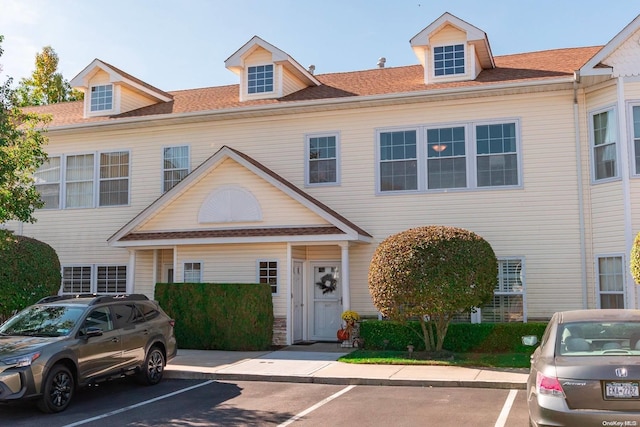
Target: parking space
217	403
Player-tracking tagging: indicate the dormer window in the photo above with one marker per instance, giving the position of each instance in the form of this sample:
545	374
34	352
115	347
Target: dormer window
260	79
102	98
448	60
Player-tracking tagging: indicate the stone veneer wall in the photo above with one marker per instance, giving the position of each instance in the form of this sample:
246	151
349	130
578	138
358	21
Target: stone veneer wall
279	331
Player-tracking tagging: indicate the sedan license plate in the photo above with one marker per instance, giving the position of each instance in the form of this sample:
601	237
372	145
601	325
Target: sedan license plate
621	390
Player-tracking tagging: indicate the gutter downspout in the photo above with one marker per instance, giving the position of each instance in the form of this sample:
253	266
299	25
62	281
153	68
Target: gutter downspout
583	250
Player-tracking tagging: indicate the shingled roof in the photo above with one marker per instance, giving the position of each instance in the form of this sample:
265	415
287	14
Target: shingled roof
533	66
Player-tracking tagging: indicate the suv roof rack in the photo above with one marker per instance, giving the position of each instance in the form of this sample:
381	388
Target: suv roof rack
97	298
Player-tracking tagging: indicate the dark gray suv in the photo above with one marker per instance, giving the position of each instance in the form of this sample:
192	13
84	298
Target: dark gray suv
64	342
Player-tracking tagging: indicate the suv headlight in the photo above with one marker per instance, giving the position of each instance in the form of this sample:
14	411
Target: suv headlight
23	360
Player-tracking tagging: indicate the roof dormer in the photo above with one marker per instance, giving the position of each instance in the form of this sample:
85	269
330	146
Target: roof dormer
110	91
267	72
450	50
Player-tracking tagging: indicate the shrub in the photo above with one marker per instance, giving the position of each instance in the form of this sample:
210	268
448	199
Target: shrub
213	316
30	270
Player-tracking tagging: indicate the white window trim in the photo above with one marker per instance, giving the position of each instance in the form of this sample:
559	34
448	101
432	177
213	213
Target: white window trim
470	155
592	146
455	76
162	168
192	262
94	276
95	179
624	290
259	95
258	261
307	150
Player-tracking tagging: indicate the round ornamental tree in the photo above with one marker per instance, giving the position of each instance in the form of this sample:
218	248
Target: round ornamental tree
29	271
432	273
635	259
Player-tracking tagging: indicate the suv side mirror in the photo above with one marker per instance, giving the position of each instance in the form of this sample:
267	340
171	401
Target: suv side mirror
529	340
92	331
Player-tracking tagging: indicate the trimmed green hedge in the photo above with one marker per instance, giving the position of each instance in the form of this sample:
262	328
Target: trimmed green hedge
461	337
214	316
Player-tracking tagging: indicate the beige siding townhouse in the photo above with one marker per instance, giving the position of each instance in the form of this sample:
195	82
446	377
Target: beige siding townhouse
292	178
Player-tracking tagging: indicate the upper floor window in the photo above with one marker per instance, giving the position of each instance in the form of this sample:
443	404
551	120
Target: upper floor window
78	173
322	159
468	156
636	138
398	161
268	273
47	181
446	158
175	166
497	160
604	145
260	79
448	60
102	98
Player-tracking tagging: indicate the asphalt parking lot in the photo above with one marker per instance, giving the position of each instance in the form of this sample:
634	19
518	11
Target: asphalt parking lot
249	403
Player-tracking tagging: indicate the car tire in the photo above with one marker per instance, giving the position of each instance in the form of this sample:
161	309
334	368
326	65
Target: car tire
151	372
57	390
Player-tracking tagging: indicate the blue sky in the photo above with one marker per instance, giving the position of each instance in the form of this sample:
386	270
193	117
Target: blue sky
183	44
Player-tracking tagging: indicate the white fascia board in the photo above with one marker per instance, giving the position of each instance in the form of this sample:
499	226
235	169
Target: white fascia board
227	240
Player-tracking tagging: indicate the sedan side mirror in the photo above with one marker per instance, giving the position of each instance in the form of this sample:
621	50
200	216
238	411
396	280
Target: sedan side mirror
529	340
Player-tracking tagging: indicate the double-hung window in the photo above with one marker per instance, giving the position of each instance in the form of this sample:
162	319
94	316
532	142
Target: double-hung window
448	60
104	279
111	184
260	79
268	273
102	98
636	138
192	272
497	159
398	160
610	282
446	159
322	159
507	304
604	137
47	182
462	156
175	166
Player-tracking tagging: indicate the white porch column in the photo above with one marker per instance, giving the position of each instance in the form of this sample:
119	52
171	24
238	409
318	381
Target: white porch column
131	273
289	293
344	276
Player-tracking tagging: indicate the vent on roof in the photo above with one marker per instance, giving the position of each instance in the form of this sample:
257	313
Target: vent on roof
381	62
312	69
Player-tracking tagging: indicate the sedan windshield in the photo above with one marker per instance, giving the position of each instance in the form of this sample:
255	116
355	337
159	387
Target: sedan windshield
44	321
599	338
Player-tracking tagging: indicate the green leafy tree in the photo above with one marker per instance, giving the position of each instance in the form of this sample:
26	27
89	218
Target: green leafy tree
46	85
21	153
432	273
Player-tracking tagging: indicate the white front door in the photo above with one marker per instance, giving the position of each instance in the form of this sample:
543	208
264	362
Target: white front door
327	301
296	301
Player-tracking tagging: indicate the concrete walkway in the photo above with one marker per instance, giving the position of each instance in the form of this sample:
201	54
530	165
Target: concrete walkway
318	363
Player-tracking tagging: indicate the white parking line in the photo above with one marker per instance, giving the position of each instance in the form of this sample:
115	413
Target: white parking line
316	406
506	408
137	405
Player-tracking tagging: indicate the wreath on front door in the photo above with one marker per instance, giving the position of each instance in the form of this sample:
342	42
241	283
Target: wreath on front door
327	283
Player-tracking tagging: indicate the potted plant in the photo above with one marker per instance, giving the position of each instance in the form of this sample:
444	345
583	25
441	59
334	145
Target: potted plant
349	319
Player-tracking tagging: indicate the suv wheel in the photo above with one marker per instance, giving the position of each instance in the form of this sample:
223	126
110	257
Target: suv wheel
153	367
57	390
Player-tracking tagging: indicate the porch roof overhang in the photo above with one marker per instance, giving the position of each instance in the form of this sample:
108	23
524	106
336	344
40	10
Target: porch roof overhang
312	234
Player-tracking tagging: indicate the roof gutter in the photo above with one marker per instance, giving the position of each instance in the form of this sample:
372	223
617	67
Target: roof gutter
303	106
